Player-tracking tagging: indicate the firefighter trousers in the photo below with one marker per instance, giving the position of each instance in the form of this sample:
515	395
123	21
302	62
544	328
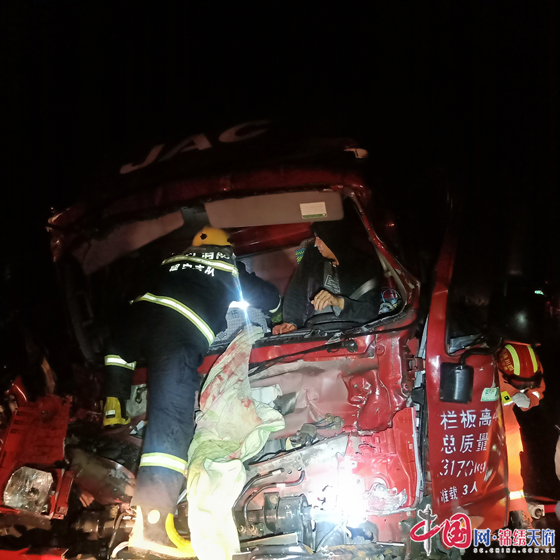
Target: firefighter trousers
514	445
173	349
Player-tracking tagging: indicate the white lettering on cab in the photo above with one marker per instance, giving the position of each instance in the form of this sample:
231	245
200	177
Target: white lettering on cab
154	153
196	142
233	133
237	133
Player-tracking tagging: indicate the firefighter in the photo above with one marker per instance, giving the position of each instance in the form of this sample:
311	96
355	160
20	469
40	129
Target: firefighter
522	385
172	326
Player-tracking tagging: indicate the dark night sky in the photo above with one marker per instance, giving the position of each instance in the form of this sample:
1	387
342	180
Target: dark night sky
467	88
462	86
443	95
455	94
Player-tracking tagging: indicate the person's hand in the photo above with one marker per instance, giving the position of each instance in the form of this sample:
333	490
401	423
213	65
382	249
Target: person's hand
521	400
86	497
325	298
283	328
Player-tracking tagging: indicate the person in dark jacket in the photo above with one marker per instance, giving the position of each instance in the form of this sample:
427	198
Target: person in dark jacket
172	326
334	281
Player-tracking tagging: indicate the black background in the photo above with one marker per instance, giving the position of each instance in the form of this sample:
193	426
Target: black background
457	95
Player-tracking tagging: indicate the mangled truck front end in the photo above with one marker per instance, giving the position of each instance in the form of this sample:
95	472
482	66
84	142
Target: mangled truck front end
369	438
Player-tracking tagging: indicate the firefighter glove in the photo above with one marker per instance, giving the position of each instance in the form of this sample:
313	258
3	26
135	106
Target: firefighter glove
521	400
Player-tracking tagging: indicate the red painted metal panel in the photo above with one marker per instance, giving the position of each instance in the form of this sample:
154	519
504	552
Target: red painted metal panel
62	495
175	193
466	446
390	455
264	353
35	435
383	389
41	554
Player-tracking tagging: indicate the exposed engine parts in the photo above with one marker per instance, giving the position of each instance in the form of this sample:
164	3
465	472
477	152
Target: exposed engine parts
292	516
282	516
311	488
107	480
315	509
103	524
309	432
246	523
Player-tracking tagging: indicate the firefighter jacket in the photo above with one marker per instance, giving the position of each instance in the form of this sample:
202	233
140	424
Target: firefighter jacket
507	392
201	283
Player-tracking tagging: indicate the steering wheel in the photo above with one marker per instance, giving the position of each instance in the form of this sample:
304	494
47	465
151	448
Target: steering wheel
330	321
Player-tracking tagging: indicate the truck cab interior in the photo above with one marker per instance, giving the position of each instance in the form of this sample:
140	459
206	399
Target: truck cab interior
269	234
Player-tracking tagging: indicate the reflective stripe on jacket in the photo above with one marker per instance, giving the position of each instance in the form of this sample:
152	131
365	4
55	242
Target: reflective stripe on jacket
183	310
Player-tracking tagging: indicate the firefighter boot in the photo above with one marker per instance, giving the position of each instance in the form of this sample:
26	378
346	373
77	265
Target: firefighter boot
157	534
520	519
114	413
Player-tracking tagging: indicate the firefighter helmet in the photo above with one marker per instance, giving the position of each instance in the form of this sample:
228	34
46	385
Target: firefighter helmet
211	236
520	366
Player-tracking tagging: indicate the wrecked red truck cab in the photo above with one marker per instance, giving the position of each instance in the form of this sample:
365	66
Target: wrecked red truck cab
381	419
